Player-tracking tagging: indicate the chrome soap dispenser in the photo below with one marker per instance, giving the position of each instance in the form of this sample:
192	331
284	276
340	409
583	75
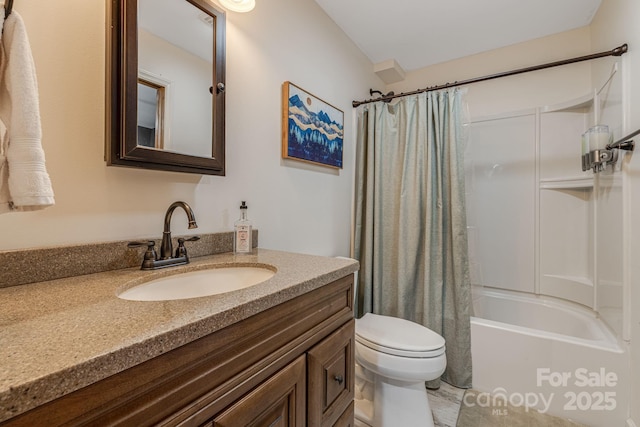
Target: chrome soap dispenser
242	238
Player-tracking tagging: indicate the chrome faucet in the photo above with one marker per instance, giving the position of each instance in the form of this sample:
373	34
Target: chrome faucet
167	258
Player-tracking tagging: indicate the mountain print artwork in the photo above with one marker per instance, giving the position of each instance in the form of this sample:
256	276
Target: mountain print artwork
314	129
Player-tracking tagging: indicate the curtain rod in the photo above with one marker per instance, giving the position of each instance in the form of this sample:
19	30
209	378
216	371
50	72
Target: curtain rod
7	8
619	51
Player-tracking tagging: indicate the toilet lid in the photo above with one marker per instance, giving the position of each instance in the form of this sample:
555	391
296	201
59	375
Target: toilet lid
397	336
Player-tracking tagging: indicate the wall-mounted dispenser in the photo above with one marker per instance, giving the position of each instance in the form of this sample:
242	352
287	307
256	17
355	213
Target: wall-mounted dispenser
598	150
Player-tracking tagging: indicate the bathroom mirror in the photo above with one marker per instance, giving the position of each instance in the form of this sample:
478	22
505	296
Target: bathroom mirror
165	86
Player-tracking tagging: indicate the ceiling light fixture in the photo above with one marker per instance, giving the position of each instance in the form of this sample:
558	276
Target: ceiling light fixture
238	5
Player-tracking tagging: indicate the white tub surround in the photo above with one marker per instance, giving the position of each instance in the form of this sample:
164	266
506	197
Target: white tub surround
537	222
549	355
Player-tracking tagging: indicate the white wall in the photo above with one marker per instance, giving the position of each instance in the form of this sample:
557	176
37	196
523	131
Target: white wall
519	92
295	207
188	106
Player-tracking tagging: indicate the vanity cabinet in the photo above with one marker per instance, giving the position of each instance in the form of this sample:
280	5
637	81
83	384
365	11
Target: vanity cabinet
331	377
279	401
290	365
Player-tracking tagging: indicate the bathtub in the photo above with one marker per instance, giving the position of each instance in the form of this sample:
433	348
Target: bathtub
546	354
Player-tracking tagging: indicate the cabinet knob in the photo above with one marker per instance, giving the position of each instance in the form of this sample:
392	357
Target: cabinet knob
338	379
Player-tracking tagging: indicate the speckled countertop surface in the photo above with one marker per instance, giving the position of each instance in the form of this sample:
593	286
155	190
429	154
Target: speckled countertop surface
61	335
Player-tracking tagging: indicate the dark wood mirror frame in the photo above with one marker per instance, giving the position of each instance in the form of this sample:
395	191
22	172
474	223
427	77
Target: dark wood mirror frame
122	93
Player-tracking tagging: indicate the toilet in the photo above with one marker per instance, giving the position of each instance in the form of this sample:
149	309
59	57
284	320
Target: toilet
394	358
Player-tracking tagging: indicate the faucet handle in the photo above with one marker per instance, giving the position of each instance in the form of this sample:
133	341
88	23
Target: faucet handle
181	251
149	244
149	256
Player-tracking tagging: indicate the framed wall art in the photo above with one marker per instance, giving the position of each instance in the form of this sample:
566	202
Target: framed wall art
312	130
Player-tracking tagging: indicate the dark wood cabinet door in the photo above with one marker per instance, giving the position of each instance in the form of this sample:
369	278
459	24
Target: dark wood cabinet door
331	377
278	402
347	417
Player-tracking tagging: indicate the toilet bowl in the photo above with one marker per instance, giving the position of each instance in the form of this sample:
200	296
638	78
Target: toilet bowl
394	358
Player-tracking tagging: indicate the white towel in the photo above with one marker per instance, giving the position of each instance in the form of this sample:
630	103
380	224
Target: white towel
24	181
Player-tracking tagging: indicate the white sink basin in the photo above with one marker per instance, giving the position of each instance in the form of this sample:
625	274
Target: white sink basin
199	283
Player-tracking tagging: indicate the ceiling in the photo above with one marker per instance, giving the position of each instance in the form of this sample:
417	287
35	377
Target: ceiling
419	33
180	23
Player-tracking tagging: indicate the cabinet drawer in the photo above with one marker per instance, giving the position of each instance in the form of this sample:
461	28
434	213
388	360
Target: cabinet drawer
347	417
278	402
330	374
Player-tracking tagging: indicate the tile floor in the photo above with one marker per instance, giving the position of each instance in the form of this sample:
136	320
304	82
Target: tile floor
449	411
445	404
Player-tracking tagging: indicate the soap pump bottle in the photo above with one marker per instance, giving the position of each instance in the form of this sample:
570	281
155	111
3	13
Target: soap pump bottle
242	238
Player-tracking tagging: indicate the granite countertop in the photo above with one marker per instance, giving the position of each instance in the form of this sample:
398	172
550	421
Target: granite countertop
61	335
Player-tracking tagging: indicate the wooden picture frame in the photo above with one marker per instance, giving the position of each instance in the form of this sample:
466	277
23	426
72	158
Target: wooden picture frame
312	129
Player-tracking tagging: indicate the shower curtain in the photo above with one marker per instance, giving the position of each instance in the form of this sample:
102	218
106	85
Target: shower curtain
410	224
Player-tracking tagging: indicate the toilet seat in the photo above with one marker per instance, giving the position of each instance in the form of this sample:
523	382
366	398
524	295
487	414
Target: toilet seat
399	352
398	337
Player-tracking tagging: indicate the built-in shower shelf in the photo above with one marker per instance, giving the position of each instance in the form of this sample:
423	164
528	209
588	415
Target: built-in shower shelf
565	183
